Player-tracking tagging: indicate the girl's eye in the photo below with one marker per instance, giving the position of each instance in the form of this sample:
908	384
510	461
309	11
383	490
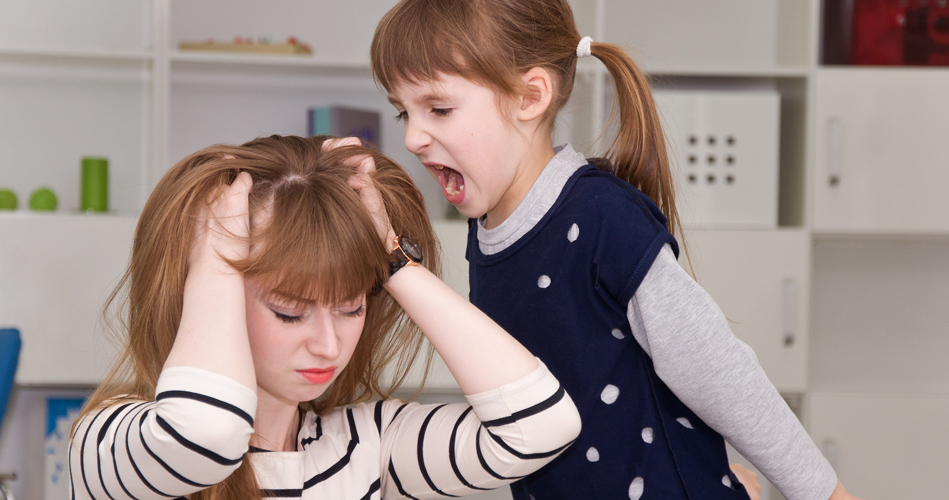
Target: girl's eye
403	115
441	111
287	318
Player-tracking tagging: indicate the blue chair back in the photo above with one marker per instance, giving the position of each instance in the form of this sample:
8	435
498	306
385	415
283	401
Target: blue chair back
9	355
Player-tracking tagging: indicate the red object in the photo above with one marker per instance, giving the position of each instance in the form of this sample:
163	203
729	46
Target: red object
900	32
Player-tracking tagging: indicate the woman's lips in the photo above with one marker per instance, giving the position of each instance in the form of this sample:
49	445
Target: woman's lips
320	376
452	182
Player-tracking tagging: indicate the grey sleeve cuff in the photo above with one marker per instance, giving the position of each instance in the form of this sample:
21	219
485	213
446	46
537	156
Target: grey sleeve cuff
718	377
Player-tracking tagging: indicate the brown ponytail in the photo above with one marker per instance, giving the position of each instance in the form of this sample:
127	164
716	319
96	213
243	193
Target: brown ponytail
638	152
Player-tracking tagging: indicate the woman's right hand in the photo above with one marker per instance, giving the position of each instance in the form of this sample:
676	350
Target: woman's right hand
212	333
223	226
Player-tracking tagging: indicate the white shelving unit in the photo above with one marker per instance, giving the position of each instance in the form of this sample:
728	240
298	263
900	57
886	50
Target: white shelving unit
104	77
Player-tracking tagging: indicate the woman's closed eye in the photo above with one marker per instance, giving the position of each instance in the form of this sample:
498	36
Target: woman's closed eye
352	310
287	318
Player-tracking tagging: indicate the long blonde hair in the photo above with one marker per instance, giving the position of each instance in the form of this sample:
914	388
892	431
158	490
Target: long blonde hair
319	244
494	42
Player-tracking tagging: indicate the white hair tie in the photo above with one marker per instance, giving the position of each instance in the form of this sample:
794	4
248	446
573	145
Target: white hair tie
583	48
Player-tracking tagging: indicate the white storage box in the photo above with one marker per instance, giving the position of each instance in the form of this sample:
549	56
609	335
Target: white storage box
724	149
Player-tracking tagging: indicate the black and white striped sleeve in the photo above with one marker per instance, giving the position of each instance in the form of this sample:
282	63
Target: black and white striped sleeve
454	450
192	436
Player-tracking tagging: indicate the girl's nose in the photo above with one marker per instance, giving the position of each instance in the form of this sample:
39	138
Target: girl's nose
322	340
416	139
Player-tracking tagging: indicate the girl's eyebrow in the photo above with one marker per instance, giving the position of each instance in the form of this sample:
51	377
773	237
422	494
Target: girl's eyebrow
427	98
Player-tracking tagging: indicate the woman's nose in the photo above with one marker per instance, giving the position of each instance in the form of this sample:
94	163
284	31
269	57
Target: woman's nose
416	139
322	340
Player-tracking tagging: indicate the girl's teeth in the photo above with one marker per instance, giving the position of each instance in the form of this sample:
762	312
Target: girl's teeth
451	186
439	167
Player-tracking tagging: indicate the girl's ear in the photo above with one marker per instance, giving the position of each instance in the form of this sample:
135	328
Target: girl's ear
537	96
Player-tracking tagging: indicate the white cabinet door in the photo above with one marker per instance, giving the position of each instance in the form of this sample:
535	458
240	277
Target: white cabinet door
760	279
881	154
884	445
55	273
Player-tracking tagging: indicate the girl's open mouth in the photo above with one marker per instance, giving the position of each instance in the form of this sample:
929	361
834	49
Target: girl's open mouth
452	182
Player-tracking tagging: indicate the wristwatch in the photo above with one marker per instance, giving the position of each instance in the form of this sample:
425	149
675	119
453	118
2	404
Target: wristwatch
405	253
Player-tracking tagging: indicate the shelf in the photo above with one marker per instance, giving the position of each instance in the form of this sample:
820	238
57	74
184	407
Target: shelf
62	55
594	67
878	235
206	60
723	72
880	68
65	215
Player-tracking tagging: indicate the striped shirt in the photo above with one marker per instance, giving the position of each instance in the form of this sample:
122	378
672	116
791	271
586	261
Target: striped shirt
196	432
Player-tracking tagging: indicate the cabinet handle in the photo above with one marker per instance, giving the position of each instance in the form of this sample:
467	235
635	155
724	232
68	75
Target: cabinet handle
789	292
835	129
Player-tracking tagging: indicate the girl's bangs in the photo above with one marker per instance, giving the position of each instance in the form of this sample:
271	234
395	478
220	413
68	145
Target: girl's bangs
415	45
317	247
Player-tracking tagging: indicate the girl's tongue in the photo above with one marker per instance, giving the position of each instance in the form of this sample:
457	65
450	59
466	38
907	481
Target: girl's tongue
453	184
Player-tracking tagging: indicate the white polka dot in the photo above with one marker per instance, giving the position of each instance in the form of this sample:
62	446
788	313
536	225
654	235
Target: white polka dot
609	394
543	281
685	422
727	481
573	233
636	489
618	334
647	435
593	454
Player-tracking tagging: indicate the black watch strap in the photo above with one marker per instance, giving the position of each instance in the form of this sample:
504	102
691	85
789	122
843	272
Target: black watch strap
406	253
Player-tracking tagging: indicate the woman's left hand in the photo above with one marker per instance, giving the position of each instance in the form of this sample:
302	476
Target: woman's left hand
362	182
748	479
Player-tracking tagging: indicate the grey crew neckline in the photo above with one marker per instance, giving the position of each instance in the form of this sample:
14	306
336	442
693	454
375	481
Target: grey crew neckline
534	206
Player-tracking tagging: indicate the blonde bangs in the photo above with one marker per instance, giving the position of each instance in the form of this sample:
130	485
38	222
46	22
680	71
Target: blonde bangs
318	243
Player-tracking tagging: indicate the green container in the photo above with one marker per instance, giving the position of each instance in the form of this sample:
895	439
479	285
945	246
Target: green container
94	196
43	200
8	200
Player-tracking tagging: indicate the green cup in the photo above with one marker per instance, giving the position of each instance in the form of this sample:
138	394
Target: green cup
95	185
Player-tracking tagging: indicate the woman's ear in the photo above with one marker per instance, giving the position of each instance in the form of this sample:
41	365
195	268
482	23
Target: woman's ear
537	96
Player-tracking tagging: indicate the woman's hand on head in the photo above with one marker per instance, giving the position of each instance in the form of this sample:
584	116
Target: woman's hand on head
223	226
748	479
362	182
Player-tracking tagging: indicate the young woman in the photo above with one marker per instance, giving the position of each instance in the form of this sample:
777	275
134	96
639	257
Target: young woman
577	258
267	294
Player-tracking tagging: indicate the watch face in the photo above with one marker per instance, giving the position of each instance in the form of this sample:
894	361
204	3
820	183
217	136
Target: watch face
410	248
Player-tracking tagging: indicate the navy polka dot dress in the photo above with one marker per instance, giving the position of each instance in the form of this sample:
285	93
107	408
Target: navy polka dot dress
562	290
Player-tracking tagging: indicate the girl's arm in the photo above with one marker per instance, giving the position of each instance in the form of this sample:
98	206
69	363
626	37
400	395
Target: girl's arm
718	377
196	431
